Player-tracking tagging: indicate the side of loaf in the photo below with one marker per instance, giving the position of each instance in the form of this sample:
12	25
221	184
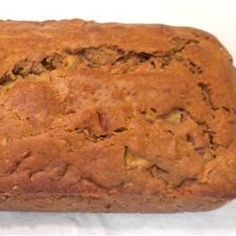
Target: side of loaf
115	118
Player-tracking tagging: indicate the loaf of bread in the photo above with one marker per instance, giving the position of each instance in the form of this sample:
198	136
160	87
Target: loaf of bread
115	118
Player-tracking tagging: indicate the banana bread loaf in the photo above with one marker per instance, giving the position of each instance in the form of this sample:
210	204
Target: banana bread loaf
115	118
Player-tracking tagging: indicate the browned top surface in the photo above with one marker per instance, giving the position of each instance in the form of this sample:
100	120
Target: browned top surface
102	109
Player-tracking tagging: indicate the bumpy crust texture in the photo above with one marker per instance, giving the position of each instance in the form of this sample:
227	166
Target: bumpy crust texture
115	118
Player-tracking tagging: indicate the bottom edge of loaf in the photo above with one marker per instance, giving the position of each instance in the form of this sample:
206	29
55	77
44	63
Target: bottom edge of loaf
122	204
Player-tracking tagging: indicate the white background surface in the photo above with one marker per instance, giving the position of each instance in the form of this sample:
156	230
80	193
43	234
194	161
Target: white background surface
215	16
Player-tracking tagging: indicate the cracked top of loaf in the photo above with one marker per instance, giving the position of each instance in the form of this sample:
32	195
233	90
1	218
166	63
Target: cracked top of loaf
100	109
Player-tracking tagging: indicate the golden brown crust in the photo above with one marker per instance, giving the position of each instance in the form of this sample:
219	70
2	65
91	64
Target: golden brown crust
109	111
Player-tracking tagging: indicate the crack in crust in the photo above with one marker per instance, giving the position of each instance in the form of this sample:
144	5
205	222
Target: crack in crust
118	60
90	136
18	163
59	172
206	95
